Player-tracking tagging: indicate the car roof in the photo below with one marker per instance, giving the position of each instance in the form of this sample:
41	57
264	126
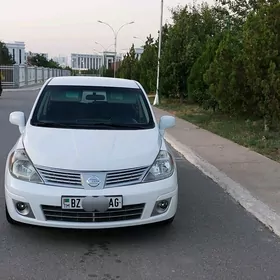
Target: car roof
92	81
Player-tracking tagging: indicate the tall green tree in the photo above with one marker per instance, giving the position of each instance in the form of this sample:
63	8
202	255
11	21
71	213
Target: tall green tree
198	89
5	57
129	68
186	41
225	76
262	61
148	65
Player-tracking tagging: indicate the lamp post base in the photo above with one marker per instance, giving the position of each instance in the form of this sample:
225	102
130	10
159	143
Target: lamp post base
156	100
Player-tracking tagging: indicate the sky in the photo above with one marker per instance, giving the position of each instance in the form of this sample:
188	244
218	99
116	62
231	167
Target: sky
62	27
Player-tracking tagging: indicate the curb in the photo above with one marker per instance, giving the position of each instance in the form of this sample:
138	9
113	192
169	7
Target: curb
22	89
257	208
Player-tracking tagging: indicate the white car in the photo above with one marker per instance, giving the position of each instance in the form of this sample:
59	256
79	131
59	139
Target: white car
91	155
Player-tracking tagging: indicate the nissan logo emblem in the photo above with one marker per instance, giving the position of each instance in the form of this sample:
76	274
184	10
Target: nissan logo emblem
93	181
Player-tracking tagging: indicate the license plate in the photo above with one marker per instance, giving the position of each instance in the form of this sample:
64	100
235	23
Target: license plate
115	202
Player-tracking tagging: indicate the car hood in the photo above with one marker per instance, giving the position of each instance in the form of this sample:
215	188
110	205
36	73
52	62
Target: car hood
98	150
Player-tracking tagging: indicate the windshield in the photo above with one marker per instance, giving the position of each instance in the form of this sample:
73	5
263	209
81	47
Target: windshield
92	107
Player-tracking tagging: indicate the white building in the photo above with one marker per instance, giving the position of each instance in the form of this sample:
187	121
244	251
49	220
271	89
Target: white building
17	51
139	52
86	61
108	58
61	60
93	61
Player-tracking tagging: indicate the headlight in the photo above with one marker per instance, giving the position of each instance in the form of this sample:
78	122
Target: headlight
22	168
162	167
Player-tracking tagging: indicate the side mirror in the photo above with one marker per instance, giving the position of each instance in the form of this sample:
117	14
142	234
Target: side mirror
18	118
166	122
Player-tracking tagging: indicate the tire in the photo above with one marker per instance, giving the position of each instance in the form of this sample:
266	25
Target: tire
9	219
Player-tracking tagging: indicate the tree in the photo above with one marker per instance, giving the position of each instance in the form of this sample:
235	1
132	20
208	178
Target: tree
225	57
129	68
38	60
148	65
262	61
53	64
198	89
240	9
212	25
225	76
186	41
174	65
41	61
108	72
5	57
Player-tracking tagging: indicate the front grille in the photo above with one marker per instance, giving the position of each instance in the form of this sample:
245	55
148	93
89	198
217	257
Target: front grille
125	177
118	178
60	178
128	212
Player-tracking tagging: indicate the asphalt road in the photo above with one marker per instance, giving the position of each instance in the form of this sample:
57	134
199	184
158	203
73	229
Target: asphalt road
212	237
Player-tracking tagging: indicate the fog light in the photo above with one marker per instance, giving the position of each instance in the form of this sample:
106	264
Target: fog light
22	208
161	206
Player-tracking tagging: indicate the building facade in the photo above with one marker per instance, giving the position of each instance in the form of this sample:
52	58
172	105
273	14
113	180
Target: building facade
139	52
93	61
108	58
86	61
17	51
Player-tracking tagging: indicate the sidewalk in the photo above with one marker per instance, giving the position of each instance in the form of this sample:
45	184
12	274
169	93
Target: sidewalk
250	178
25	88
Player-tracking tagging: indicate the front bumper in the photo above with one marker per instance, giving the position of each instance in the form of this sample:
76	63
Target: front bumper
37	195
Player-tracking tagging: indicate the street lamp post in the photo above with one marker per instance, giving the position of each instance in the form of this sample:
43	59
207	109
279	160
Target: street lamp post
156	101
139	39
115	39
103	56
104	50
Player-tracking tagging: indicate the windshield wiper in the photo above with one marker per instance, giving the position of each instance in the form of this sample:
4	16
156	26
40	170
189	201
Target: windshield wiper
51	124
87	125
113	125
135	126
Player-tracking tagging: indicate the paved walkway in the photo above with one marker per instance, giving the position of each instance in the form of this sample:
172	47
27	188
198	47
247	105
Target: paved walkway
252	179
30	87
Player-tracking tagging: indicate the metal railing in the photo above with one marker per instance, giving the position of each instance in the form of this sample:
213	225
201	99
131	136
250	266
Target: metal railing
7	76
17	76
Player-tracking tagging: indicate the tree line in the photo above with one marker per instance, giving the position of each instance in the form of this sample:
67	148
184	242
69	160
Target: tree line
224	57
40	60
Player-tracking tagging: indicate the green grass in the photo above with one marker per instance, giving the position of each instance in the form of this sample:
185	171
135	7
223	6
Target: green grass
244	132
